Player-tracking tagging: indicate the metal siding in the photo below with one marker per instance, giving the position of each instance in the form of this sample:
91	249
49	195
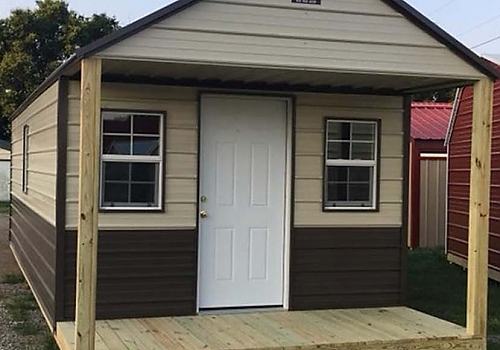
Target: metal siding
41	117
310	113
345	267
432	202
364	36
180	106
140	274
459	178
34	241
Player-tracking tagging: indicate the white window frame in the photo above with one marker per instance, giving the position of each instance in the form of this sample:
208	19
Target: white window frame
26	131
351	206
159	159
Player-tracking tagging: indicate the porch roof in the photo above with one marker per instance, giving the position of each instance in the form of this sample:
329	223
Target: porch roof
278	78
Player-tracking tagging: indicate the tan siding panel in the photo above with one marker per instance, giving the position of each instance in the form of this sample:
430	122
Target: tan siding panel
363	36
4	154
310	215
356	6
311	191
41	117
311	113
180	106
326	25
432	203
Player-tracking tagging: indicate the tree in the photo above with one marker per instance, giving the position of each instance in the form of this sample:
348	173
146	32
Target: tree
446	95
34	42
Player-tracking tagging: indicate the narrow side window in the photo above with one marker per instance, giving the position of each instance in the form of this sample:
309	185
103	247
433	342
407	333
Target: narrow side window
26	130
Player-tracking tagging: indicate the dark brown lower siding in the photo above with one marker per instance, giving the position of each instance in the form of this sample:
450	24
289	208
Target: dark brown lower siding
345	268
140	274
34	241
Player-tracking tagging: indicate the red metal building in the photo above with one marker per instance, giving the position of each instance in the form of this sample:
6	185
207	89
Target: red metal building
459	158
429	122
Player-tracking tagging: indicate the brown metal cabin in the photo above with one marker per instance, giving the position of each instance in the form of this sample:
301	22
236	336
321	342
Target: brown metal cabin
220	156
459	148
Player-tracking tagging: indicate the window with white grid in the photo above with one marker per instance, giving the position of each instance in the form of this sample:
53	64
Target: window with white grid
351	154
131	160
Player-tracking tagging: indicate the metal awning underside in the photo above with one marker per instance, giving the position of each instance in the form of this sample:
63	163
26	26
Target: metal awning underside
262	77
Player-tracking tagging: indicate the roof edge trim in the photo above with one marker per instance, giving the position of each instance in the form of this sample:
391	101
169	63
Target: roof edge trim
443	37
400	6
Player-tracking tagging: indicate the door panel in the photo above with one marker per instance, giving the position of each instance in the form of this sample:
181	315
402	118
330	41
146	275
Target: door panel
243	171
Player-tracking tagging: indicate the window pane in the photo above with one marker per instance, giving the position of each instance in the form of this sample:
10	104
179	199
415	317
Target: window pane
338	131
337	174
364	151
146	124
115	192
349	186
116	144
146	146
144	172
338	150
363	131
116	171
360	193
360	174
337	192
116	122
143	194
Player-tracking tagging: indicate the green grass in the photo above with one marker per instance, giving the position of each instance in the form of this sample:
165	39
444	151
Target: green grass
21	307
492	346
12	279
4	207
439	288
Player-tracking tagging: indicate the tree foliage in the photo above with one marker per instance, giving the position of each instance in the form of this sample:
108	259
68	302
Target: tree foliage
446	95
33	42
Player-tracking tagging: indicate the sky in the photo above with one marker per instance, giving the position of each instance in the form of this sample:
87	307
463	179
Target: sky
473	22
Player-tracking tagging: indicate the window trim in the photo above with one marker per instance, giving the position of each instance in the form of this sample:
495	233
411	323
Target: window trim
25	155
162	165
376	173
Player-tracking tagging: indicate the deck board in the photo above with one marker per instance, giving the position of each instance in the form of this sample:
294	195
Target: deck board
357	329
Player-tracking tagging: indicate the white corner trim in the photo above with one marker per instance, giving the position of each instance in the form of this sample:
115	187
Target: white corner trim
453	117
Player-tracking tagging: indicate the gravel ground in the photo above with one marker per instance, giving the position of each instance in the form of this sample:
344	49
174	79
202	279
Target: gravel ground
10	339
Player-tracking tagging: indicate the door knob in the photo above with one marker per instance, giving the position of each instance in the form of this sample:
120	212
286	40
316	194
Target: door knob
203	214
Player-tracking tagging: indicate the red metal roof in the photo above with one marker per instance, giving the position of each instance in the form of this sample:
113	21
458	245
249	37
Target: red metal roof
429	120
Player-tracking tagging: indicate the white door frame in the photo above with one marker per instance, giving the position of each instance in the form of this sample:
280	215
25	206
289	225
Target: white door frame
288	186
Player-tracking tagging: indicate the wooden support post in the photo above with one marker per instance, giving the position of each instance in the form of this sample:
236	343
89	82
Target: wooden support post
477	286
86	274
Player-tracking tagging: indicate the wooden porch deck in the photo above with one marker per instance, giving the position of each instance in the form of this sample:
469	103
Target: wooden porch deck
368	329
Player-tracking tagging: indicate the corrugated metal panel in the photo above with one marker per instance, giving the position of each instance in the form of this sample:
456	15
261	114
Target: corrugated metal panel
41	117
432	202
310	114
459	177
141	273
429	120
363	36
180	105
34	242
345	268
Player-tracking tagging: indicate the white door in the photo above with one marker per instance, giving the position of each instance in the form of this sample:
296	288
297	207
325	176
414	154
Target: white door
243	171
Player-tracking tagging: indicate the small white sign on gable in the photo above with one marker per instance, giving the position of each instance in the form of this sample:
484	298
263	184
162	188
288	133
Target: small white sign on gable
307	2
